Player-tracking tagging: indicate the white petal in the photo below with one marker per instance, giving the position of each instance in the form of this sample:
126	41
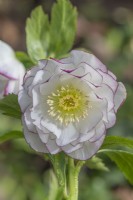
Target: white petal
111	119
87	136
52	67
49	87
64	66
40	78
42	63
104	91
9	65
82	56
11	68
79	71
95	115
27	82
52	147
12	87
52	126
70	148
88	150
93	76
31	73
36	96
24	100
99	132
109	80
120	95
4	47
33	140
68	135
29	121
43	136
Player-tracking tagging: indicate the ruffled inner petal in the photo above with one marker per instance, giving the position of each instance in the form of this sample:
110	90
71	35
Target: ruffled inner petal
52	147
28	120
109	80
33	140
111	119
70	148
68	135
120	96
82	56
43	136
87	150
24	100
100	130
104	91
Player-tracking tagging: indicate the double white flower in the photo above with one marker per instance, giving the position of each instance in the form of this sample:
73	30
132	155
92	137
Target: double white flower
11	71
68	104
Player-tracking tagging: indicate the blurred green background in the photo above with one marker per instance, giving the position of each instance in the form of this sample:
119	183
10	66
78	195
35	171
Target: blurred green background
106	29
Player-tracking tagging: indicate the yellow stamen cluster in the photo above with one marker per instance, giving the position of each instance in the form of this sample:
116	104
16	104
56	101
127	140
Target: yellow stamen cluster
68	104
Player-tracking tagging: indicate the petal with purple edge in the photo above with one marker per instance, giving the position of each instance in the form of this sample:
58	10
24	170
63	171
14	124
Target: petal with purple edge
120	96
68	135
52	147
33	140
82	56
88	149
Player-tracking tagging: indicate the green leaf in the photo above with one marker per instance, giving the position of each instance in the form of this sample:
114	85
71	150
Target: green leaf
96	163
63	27
11	135
24	58
117	141
123	159
9	106
37	34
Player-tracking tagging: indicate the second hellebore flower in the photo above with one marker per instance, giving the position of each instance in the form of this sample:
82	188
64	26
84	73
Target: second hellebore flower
11	71
68	104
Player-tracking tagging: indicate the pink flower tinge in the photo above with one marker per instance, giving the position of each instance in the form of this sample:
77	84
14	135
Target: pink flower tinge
69	104
11	71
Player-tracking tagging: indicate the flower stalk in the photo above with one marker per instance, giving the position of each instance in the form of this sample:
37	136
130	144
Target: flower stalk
67	176
73	175
72	180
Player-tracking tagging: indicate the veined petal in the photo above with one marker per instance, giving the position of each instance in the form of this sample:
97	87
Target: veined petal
111	119
109	80
52	147
43	136
78	56
33	140
87	135
66	67
120	95
29	122
105	92
87	150
24	100
99	132
93	118
68	135
69	148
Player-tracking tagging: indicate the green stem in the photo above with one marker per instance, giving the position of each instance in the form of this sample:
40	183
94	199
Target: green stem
67	176
73	173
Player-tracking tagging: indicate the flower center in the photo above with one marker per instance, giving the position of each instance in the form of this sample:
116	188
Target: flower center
68	104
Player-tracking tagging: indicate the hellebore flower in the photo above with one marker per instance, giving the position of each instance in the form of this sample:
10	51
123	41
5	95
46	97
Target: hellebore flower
11	71
68	104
